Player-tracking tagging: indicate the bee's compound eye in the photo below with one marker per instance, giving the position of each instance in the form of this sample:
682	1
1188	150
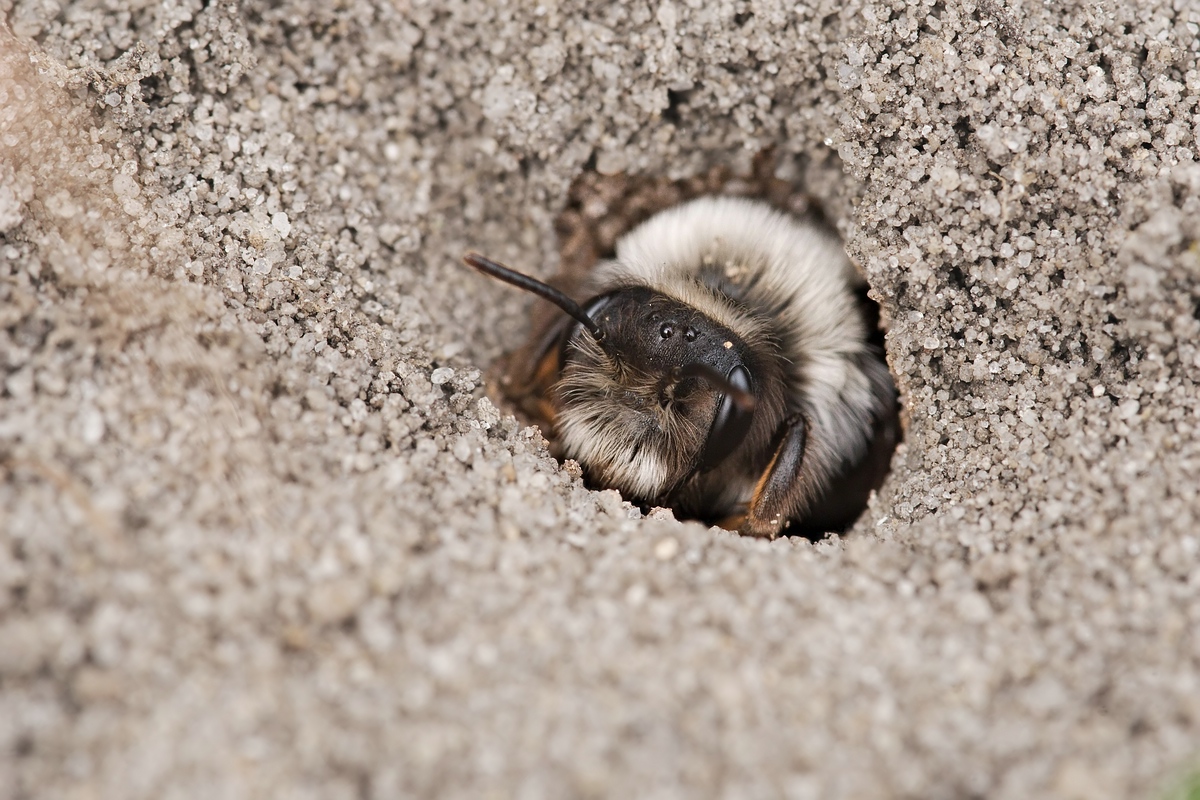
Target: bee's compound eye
690	333
731	423
667	330
596	305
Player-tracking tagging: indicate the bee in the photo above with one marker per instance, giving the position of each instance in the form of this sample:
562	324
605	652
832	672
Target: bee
722	365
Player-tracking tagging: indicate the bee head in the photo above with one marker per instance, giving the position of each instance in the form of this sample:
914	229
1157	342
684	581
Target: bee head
651	393
664	395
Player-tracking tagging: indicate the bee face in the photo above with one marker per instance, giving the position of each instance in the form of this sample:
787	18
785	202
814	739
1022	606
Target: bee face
647	406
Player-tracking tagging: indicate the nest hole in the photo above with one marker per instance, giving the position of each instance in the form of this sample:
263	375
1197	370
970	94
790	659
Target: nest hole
600	209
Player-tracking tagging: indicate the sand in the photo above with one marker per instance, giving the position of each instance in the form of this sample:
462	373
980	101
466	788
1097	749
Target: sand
263	535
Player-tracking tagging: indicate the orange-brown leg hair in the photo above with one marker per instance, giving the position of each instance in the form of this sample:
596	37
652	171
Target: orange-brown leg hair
780	490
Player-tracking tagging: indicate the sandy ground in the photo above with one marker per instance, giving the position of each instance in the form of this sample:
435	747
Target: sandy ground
261	535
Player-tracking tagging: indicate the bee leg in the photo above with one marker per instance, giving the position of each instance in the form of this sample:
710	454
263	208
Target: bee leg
781	487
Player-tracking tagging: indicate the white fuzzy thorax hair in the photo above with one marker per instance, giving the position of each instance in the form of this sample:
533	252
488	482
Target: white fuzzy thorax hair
796	266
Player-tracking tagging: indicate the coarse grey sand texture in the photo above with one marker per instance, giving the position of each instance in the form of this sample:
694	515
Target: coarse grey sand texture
263	535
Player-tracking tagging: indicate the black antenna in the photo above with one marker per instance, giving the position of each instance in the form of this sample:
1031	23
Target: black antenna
542	290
